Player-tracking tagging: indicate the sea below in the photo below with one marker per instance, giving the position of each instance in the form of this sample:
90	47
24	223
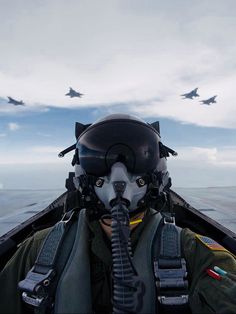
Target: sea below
16	206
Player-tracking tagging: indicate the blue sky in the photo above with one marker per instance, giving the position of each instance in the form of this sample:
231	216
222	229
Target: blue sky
125	56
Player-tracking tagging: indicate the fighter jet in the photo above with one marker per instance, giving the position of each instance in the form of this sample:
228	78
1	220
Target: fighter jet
15	102
72	93
209	100
191	94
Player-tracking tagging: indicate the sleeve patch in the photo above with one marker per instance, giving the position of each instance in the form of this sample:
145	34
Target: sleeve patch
210	243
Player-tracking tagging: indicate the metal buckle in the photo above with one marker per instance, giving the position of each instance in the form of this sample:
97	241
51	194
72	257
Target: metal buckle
34	287
32	300
65	220
172	279
177	300
169	220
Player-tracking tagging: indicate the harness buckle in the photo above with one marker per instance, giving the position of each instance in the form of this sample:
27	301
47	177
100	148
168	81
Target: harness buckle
169	220
34	287
172	284
32	300
179	300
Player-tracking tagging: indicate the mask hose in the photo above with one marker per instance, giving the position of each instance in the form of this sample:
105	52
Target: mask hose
127	289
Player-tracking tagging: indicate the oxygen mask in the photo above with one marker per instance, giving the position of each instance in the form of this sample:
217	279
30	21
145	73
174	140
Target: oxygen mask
119	180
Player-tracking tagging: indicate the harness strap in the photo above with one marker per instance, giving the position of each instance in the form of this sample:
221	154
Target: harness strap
40	283
170	269
38	288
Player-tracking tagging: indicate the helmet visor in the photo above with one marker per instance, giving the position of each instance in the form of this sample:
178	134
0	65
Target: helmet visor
133	143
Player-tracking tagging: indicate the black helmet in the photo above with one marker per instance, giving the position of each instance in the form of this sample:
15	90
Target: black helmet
126	142
119	138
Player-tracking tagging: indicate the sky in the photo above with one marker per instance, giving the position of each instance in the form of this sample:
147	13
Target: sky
134	57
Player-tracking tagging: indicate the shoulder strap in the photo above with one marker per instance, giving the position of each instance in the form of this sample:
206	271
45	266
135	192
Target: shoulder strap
40	283
170	269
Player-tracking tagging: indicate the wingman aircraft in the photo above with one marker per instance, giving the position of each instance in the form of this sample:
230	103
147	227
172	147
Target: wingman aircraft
209	100
191	94
72	93
15	102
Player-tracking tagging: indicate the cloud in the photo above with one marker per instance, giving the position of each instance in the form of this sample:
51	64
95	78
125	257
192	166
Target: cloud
46	149
198	154
203	166
36	176
13	126
11	110
145	56
34	155
217	157
3	135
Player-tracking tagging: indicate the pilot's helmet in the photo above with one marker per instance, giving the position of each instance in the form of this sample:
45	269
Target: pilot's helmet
121	148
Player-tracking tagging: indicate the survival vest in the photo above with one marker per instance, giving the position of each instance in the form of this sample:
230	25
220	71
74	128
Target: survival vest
59	282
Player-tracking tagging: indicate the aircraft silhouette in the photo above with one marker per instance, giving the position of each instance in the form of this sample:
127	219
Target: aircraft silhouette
15	102
72	93
209	100
191	94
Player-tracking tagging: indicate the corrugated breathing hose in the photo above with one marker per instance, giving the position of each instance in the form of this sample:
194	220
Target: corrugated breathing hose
127	291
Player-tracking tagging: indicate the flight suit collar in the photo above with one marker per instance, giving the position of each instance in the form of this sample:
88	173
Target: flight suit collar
101	244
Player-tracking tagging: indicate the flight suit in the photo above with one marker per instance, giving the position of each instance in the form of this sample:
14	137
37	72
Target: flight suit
206	294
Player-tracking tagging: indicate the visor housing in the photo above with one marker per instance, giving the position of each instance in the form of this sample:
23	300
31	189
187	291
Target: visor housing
132	142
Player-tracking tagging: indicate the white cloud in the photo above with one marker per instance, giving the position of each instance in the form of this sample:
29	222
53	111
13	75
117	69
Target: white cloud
13	126
119	52
34	155
9	109
225	157
46	149
197	154
3	135
35	176
203	167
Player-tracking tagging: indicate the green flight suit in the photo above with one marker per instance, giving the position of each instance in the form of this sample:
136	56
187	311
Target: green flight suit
207	295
